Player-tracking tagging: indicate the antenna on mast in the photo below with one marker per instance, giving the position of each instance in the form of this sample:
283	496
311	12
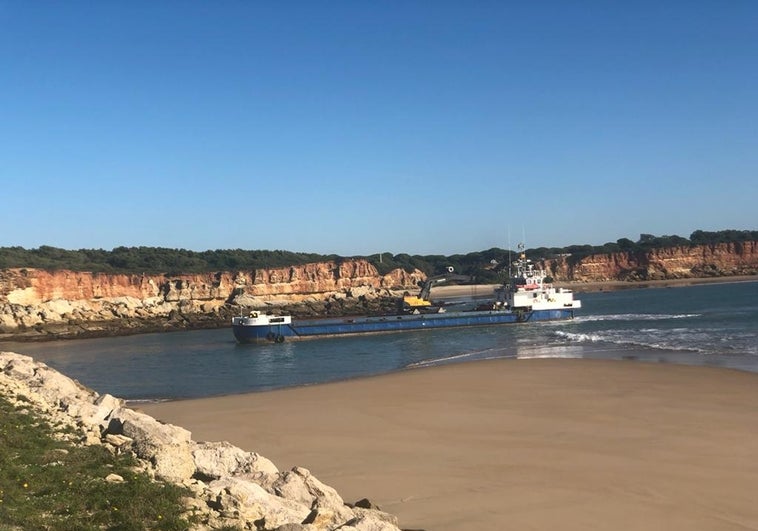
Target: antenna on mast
510	258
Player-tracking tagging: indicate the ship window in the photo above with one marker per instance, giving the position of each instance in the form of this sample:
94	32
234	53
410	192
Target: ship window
276	320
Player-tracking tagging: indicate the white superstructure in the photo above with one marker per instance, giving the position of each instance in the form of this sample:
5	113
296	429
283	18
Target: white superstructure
261	319
529	288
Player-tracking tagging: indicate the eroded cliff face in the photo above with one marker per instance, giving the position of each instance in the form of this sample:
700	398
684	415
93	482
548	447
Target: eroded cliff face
65	303
37	304
728	259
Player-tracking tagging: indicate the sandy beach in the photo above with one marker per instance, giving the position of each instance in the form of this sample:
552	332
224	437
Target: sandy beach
515	444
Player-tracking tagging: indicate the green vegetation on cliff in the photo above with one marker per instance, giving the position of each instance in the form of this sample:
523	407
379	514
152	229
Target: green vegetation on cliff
173	261
151	259
47	483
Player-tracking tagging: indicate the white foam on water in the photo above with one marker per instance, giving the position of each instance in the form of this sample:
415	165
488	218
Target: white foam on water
581	337
681	339
633	317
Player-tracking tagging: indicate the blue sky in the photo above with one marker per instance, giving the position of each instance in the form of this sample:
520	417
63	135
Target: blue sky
356	127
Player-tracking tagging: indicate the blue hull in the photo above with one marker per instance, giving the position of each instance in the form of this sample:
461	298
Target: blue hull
314	328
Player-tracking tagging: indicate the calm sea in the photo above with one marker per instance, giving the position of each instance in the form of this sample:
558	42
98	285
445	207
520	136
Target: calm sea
712	324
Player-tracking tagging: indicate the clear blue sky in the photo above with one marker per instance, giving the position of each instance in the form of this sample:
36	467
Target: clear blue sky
356	127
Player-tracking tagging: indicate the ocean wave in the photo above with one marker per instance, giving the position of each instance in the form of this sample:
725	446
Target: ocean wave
634	317
581	337
490	353
683	340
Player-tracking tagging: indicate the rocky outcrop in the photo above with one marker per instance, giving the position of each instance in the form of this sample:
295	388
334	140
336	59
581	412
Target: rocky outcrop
232	488
36	303
720	260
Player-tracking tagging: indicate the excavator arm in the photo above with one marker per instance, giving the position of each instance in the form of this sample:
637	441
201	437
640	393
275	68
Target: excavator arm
422	299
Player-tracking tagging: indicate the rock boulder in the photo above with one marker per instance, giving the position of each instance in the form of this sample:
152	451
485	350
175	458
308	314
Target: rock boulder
232	487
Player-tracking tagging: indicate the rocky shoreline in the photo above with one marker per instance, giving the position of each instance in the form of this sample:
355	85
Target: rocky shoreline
231	488
332	305
38	305
178	321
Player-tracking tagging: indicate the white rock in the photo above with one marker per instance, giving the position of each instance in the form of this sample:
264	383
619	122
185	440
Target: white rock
367	522
217	459
328	509
376	514
249	488
166	446
234	496
117	441
17	366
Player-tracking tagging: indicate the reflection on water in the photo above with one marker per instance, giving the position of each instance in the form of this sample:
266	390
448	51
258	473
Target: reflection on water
549	351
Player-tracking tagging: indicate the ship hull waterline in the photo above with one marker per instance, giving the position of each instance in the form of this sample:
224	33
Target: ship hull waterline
320	328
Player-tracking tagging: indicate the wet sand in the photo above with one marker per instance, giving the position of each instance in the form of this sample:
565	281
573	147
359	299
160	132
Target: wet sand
515	444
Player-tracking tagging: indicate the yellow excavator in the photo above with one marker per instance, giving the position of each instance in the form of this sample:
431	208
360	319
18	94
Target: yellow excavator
420	303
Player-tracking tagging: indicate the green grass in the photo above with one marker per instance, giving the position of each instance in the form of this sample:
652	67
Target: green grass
50	484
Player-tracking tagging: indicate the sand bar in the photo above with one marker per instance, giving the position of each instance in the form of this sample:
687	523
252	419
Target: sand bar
515	444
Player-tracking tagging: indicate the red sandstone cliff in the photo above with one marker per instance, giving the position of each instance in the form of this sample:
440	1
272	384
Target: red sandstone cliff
35	302
726	259
33	298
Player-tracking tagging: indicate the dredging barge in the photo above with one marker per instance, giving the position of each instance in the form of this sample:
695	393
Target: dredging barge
528	295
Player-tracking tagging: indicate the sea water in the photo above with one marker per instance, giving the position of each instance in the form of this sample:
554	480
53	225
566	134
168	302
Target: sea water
710	324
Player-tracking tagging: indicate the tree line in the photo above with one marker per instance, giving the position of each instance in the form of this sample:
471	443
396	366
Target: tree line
484	265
